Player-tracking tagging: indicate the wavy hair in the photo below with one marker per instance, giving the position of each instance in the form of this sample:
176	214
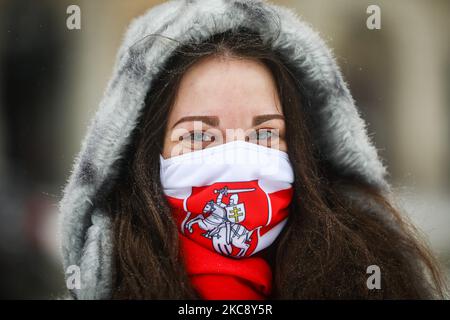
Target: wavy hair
337	225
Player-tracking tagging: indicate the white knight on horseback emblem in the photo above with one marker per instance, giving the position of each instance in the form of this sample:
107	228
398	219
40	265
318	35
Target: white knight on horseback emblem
222	222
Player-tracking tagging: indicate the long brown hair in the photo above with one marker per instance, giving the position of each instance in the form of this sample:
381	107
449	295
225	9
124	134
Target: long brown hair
337	227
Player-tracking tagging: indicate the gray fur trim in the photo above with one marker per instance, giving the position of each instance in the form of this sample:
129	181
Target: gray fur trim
86	237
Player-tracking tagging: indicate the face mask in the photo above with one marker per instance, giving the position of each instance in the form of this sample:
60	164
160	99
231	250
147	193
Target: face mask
232	198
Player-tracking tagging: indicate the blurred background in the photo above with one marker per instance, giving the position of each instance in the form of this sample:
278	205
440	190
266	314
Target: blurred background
52	79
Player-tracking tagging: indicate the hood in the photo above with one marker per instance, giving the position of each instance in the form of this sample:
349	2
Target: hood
85	232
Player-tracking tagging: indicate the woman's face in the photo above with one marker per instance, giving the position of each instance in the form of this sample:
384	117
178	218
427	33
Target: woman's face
222	99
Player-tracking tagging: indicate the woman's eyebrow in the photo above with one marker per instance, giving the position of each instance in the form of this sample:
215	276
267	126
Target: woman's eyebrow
212	121
266	117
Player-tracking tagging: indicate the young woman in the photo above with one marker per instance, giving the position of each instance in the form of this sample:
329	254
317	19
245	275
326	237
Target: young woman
228	161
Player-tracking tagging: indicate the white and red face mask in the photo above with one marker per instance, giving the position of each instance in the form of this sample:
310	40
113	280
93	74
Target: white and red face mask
232	199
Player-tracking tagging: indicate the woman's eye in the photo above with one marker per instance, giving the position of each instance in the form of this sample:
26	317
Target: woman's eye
198	136
265	134
201	137
267	137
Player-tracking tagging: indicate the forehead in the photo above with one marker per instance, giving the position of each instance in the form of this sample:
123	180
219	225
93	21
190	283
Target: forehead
223	85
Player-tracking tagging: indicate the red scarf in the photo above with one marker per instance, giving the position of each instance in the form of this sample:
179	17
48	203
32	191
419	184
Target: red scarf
230	202
217	277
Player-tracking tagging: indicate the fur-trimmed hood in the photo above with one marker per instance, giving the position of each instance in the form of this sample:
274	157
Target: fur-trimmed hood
86	233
